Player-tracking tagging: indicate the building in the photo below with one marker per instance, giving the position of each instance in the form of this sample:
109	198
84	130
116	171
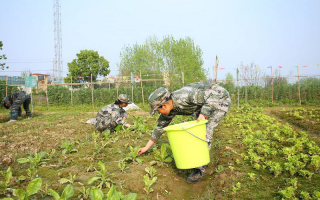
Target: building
42	80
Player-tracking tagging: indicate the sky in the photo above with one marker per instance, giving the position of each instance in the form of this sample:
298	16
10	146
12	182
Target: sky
264	32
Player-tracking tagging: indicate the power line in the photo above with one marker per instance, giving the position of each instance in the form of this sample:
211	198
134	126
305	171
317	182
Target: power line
30	62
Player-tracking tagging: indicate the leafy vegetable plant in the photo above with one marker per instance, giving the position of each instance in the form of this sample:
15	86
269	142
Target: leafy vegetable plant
7	177
151	171
103	177
66	193
68	147
113	194
164	155
132	156
148	183
32	188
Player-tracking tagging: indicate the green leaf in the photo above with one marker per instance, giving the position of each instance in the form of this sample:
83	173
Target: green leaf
139	161
67	192
55	195
23	160
34	186
130	196
21	194
96	194
93	179
64	180
111	192
102	166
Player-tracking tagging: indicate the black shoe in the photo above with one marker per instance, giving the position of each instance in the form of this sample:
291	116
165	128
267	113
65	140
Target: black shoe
196	176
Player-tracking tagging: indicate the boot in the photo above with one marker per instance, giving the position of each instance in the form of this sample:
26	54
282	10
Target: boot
196	175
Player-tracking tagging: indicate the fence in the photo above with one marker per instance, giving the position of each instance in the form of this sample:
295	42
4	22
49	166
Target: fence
294	90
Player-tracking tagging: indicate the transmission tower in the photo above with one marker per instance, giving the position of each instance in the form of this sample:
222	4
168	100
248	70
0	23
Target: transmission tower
57	62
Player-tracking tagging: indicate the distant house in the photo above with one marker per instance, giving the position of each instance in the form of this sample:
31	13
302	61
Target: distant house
43	81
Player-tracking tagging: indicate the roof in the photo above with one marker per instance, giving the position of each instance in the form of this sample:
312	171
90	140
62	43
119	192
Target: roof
39	74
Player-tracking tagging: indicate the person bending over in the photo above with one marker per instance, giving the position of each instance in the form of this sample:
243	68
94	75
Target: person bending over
201	100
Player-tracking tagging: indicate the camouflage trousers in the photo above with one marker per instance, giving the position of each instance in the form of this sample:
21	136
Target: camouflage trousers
15	108
104	123
222	106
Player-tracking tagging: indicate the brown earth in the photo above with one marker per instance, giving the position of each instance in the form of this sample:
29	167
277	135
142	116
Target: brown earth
46	130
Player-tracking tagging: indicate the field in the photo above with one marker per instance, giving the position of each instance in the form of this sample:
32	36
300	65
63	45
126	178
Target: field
257	153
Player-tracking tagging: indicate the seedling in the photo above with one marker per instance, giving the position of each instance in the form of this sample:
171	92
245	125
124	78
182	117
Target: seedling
164	155
35	161
306	174
132	156
122	165
315	161
252	176
288	193
305	195
148	183
32	188
68	147
7	176
151	171
219	169
236	188
70	180
84	193
66	193
97	194
102	178
51	154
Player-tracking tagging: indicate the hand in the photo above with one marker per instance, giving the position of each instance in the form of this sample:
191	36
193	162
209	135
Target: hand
124	118
142	150
201	117
127	125
12	120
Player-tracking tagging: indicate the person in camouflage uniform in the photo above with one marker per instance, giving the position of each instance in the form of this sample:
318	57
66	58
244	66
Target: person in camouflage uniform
201	100
14	102
112	115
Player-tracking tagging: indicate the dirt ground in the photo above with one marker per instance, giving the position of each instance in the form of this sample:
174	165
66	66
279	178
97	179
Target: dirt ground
47	129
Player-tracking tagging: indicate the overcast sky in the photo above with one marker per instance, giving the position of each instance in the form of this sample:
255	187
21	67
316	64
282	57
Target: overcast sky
268	33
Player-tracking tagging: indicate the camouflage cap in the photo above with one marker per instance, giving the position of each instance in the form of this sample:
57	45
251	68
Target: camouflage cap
6	103
124	98
158	97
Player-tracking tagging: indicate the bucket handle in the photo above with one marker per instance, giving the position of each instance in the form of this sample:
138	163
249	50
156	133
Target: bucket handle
196	136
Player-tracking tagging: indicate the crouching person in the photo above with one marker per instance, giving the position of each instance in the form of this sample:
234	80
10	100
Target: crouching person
14	102
112	115
201	100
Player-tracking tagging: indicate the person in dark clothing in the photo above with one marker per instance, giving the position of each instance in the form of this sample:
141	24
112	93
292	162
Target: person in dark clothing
14	102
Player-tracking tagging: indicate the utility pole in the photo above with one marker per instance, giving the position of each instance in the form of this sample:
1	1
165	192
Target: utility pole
57	63
215	70
299	97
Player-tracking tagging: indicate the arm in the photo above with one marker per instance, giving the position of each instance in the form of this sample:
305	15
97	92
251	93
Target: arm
146	148
163	121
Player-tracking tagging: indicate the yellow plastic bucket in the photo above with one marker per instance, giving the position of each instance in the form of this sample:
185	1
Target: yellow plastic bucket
189	144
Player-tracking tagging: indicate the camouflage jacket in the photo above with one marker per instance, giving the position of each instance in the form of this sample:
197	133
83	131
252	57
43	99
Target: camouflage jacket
16	99
193	99
115	112
13	97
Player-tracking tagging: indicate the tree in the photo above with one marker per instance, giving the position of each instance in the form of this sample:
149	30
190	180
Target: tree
228	84
2	65
175	57
88	62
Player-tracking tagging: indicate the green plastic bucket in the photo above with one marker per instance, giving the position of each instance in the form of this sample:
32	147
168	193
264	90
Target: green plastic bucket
118	127
188	143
